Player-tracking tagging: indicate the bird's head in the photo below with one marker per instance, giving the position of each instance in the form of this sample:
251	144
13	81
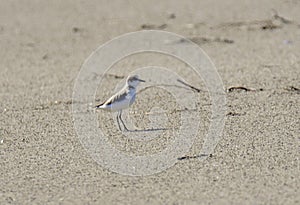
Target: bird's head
133	80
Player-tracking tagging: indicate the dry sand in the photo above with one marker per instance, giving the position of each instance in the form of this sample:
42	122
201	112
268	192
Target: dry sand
44	43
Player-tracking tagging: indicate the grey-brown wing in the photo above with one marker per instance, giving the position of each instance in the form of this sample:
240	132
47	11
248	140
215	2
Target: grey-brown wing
120	96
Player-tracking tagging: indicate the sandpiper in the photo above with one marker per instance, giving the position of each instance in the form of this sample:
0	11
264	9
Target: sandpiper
122	99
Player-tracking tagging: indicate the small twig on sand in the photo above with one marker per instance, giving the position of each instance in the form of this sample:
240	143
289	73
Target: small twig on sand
202	40
292	88
194	156
281	18
235	114
152	26
231	89
190	86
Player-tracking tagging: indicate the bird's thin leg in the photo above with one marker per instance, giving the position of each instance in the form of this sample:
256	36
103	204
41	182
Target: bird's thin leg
123	121
119	121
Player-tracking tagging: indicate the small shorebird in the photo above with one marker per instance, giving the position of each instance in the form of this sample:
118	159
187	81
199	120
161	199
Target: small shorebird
122	99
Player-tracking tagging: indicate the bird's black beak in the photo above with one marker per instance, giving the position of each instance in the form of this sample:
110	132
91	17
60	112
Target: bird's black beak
142	80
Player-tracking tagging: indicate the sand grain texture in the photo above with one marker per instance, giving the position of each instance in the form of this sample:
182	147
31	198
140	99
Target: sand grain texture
44	43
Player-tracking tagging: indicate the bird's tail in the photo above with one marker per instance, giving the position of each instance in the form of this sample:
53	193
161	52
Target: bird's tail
99	106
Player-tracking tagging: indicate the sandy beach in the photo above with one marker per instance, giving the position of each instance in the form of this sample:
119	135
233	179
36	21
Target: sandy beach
255	47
